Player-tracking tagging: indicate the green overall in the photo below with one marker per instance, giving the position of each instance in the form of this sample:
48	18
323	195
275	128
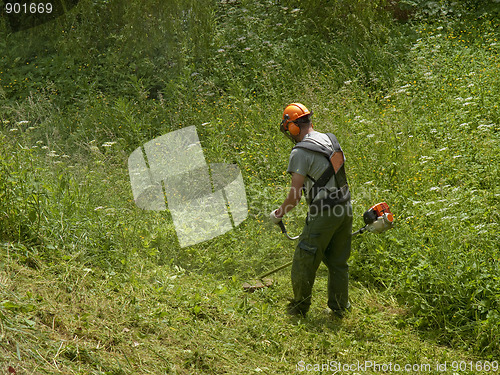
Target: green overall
327	238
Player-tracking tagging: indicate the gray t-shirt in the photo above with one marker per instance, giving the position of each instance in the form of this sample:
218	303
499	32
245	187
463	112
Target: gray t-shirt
312	164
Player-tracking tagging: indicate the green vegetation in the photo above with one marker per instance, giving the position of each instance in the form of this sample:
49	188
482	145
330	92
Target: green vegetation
90	284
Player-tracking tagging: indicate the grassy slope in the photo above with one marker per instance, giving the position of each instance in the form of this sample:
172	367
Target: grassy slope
94	285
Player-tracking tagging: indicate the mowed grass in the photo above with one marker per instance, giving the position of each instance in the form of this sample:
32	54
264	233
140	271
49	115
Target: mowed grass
76	320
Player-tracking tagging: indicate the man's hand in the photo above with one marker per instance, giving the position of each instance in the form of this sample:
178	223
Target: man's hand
274	218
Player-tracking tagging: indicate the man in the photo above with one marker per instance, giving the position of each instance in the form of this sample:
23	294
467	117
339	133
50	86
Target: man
316	166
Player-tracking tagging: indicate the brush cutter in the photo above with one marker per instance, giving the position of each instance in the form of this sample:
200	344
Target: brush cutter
377	218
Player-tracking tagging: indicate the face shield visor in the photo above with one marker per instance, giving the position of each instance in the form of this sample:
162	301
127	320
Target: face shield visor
286	133
284	130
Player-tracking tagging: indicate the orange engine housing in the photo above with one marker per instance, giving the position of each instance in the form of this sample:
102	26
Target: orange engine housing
376	211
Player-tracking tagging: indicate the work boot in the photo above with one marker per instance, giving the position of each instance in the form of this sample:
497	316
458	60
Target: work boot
293	309
337	314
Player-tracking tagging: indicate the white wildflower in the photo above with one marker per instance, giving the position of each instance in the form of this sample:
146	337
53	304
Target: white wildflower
484	127
448	218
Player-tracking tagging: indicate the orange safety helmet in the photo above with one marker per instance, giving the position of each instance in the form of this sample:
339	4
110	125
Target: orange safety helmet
294	113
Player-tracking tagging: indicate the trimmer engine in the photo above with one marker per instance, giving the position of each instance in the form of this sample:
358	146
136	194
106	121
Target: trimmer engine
378	218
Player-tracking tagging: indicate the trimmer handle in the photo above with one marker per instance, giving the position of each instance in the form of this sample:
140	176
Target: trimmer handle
282	226
283	230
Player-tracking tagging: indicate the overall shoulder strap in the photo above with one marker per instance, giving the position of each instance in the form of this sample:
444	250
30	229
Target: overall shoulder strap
337	161
335	142
312	145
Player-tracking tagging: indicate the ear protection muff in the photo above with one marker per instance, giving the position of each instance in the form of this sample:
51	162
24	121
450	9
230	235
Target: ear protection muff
293	128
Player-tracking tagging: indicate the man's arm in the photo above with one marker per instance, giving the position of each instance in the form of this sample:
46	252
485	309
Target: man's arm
294	195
